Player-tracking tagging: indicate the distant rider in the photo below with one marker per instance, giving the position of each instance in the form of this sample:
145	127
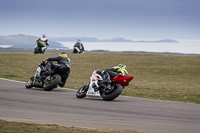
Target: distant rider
110	73
43	42
63	65
79	47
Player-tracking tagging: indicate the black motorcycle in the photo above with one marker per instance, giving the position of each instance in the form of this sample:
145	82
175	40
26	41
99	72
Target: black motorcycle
47	82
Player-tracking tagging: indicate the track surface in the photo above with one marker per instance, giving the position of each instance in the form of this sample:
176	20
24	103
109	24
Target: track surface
61	107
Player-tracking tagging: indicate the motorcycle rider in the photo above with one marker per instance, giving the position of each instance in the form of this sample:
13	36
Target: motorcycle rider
45	44
63	65
110	73
80	47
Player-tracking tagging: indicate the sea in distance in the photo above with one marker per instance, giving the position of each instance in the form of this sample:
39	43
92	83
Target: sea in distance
182	46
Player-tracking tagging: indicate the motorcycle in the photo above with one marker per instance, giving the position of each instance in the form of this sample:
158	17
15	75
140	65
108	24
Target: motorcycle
94	87
47	82
40	47
76	50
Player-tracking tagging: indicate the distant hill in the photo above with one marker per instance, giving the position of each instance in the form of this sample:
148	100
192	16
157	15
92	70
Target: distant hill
27	41
24	41
74	39
158	41
118	39
89	39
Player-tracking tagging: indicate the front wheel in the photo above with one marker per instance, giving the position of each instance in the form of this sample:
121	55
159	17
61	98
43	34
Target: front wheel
54	81
81	93
114	93
29	83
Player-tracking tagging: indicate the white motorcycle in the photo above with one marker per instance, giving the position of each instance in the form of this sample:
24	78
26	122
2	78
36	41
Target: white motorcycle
94	87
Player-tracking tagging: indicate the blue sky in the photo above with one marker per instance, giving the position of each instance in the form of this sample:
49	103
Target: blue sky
103	19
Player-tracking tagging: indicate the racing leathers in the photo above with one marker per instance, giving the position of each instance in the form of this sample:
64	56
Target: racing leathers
63	66
80	47
110	73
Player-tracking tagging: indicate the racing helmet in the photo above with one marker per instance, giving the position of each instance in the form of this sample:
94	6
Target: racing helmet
43	35
122	66
63	54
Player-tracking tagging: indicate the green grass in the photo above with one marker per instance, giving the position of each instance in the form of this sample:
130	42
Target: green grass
21	127
165	77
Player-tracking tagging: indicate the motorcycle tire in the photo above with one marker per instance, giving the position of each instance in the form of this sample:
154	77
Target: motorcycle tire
81	93
75	51
54	81
113	94
36	50
29	83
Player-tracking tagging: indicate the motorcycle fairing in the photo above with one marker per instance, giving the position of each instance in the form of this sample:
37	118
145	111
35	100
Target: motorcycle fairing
94	80
37	73
123	80
91	92
94	77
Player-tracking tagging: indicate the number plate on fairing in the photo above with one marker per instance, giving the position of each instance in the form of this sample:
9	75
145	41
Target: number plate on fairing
91	92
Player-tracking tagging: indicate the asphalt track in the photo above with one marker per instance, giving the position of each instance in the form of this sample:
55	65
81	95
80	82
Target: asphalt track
61	107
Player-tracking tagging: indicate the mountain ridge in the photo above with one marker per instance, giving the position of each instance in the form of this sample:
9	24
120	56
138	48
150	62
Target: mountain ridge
24	41
29	41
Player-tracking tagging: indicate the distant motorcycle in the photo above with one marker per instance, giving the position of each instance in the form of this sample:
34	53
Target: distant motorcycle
76	50
48	83
93	88
40	47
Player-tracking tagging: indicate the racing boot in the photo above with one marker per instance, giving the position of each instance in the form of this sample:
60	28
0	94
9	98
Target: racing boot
47	69
106	83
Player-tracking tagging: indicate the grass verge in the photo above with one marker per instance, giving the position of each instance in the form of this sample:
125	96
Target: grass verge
21	127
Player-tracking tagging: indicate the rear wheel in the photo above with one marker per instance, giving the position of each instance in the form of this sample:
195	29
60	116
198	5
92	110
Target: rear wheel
114	93
81	93
54	81
29	83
